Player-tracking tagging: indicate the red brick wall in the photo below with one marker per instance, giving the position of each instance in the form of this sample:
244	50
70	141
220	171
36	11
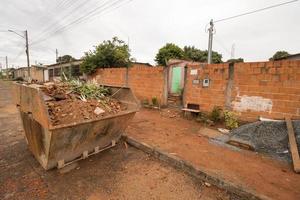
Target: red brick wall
146	82
211	96
268	89
111	76
277	83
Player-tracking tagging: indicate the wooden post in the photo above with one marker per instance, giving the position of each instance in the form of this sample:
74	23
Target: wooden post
293	145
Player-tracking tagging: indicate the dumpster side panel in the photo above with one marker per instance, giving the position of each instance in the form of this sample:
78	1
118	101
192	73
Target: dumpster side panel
126	96
16	88
37	138
32	102
69	143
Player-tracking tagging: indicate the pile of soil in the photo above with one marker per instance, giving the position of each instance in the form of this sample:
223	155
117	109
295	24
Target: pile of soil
66	107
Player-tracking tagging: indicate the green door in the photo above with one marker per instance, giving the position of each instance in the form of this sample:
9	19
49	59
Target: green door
176	80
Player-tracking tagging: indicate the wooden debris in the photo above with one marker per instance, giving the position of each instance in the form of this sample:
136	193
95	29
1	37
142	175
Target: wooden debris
293	145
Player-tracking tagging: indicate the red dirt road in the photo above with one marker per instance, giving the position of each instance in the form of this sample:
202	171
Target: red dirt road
119	173
263	175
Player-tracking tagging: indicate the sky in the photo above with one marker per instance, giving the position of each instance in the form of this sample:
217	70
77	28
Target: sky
146	26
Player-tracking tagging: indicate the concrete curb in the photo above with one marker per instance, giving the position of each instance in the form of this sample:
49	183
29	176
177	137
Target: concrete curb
196	172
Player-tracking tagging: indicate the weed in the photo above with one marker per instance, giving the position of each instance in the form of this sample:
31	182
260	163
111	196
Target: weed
216	114
231	120
155	101
145	102
88	90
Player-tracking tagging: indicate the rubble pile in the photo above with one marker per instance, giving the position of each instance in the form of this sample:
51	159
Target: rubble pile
73	103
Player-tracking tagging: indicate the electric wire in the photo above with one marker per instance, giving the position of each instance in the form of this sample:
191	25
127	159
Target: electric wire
52	27
85	17
82	18
255	11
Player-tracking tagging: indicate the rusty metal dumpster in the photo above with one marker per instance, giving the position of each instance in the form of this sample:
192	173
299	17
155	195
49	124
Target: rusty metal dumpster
58	146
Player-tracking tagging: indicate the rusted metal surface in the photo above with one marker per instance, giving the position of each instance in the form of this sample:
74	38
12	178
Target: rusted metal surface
29	100
68	142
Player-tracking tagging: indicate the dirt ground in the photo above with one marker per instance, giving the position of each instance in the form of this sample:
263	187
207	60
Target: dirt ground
259	173
119	173
65	107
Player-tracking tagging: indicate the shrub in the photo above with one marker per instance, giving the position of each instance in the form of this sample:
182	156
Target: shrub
216	114
231	120
145	102
155	101
204	118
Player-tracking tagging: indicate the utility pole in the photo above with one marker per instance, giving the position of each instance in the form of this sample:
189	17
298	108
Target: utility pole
210	41
27	54
232	51
56	54
27	50
6	63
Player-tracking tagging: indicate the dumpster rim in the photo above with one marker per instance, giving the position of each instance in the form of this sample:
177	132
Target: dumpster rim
122	113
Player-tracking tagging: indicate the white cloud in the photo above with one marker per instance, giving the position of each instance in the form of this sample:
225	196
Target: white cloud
149	25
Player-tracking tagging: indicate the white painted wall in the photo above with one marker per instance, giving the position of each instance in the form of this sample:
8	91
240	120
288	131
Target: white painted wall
46	75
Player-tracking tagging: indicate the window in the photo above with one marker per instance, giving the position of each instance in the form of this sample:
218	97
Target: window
56	71
76	71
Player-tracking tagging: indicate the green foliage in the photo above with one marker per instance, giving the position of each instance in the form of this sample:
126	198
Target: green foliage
145	102
65	58
235	60
279	55
231	120
110	53
216	114
204	118
194	54
88	90
168	52
155	101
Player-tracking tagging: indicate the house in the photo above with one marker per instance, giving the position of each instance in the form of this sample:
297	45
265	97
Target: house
53	72
21	72
292	57
36	73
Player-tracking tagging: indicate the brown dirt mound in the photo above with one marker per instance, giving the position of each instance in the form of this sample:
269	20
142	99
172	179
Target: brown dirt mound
66	107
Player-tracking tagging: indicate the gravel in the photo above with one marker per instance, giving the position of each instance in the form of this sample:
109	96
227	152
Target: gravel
268	137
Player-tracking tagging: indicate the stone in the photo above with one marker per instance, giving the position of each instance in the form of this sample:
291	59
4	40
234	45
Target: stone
98	111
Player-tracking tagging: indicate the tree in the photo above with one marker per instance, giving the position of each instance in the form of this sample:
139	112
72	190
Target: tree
65	58
168	52
279	55
235	60
110	53
194	54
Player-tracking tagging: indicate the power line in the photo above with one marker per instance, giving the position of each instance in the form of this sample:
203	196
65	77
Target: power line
255	11
55	28
88	15
52	25
18	55
84	17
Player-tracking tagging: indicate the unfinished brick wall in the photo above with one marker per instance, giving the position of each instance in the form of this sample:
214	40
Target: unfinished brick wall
211	96
110	76
146	82
268	89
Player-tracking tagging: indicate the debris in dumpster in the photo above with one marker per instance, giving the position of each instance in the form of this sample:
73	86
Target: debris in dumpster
75	101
